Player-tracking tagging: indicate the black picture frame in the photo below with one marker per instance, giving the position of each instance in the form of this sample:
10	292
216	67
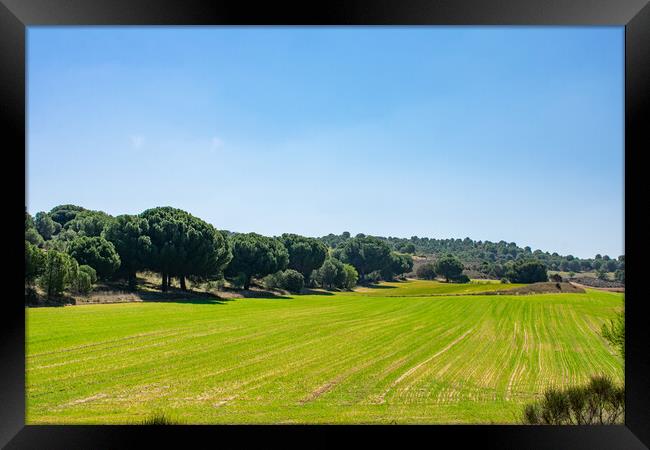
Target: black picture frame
16	15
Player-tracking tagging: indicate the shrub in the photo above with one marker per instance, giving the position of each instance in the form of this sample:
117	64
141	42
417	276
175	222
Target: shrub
462	278
614	333
239	280
292	280
504	281
599	402
373	277
426	271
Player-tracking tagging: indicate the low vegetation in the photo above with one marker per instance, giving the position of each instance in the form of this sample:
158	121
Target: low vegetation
600	402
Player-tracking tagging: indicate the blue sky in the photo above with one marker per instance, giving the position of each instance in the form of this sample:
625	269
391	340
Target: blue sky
513	133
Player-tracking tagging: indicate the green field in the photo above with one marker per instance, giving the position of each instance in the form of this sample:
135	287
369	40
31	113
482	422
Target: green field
394	354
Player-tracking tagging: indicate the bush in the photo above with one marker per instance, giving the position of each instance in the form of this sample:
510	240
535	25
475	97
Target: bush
504	281
462	278
292	280
426	271
373	277
598	403
239	280
614	333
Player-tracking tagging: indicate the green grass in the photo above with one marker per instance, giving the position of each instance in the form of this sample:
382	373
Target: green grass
367	357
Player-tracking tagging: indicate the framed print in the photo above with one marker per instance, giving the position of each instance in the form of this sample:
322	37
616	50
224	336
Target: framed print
317	223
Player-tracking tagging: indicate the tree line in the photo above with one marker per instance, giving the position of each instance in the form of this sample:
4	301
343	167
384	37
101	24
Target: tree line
493	259
64	245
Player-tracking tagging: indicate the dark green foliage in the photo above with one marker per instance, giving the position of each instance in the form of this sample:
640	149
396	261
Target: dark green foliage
474	253
331	274
598	403
92	273
129	235
289	280
619	275
351	276
292	280
29	221
255	255
62	240
449	267
614	333
305	254
34	237
426	271
62	214
58	272
34	263
366	254
462	278
83	284
602	275
373	277
526	271
408	248
184	245
45	225
398	264
96	252
89	223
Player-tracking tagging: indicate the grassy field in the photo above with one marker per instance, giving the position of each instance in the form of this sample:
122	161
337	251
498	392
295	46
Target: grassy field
394	354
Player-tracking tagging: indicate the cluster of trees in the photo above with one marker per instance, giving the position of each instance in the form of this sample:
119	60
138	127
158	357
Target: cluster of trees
55	272
179	245
489	257
449	267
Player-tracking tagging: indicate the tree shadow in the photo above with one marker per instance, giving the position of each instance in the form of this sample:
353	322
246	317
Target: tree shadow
308	291
378	286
